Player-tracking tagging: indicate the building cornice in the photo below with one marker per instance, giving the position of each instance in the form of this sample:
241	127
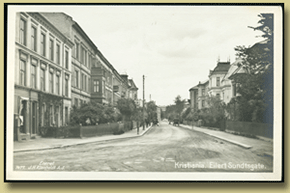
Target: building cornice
42	20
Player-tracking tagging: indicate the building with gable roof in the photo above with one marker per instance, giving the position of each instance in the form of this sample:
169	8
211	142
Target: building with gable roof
215	77
220	83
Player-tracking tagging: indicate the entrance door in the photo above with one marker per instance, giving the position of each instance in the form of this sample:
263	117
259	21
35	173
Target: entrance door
33	123
23	118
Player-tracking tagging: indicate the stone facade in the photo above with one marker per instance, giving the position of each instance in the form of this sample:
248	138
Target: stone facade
57	66
42	75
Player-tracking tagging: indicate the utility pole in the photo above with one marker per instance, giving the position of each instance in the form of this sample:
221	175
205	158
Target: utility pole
143	102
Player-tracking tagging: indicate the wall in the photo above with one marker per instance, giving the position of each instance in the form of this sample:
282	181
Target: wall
250	128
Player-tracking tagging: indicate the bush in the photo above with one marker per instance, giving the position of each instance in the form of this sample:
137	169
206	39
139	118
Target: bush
92	113
47	131
60	132
118	132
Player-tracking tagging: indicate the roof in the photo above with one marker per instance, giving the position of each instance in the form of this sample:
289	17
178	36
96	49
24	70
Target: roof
200	83
261	46
194	88
133	85
234	66
56	30
203	82
222	67
238	71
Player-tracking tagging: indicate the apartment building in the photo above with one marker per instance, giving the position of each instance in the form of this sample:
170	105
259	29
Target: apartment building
83	56
42	75
94	77
57	66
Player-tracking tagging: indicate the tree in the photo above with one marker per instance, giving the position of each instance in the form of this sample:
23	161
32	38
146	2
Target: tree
152	111
259	58
92	113
185	113
175	111
256	88
127	108
179	105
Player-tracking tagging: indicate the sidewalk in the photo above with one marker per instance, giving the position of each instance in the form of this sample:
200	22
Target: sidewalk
52	143
258	146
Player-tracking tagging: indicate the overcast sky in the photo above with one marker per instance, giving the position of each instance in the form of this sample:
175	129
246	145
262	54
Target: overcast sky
173	46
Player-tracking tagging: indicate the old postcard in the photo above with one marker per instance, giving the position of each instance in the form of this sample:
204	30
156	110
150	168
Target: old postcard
134	92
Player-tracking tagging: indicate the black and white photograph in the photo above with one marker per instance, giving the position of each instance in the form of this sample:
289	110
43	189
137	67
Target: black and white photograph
144	92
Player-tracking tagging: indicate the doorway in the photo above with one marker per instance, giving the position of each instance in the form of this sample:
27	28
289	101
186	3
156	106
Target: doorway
34	118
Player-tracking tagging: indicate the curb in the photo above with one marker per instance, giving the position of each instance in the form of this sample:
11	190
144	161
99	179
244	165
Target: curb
83	143
231	141
224	139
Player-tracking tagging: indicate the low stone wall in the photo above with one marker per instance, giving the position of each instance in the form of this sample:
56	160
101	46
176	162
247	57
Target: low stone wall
250	128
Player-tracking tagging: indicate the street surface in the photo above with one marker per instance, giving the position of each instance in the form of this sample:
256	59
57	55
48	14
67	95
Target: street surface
164	148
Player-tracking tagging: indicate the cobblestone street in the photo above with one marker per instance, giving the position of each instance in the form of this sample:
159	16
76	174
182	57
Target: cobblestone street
164	148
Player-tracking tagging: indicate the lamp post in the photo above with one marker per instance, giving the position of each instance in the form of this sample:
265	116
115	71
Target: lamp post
143	102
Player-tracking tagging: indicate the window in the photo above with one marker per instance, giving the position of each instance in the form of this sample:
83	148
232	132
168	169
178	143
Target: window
42	44
57	53
82	54
77	50
77	78
51	115
83	82
42	80
33	38
22	34
89	60
85	57
218	95
43	114
85	85
56	116
22	73
89	85
66	115
33	76
218	81
51	82
103	88
202	103
95	86
76	102
57	85
203	92
66	59
51	49
66	87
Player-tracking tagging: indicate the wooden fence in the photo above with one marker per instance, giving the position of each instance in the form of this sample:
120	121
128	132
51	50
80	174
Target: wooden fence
250	128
